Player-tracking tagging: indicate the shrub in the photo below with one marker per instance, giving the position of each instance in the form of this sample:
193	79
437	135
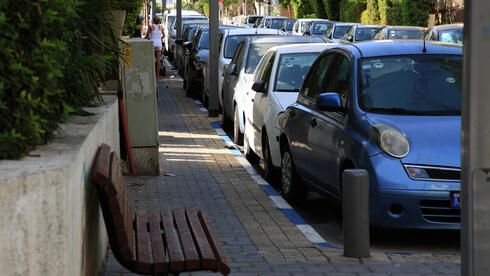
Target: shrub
415	12
394	15
371	14
302	8
332	8
132	14
54	56
319	9
351	10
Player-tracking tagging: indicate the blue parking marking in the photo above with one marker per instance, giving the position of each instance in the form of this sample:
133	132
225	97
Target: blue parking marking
269	190
293	216
225	138
326	244
216	124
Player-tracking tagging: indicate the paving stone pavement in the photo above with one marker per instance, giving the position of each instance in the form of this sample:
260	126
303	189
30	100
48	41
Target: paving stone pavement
257	238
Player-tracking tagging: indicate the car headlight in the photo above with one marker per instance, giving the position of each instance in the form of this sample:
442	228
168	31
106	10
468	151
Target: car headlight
390	140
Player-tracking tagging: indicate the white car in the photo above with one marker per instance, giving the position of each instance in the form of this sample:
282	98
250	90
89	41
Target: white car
228	42
171	30
169	18
264	23
300	25
277	82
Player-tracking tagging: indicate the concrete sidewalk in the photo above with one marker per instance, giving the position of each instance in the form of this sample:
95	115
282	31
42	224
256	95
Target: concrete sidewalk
258	238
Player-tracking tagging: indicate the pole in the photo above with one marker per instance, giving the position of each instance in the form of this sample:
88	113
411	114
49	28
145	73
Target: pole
178	20
475	186
355	213
213	109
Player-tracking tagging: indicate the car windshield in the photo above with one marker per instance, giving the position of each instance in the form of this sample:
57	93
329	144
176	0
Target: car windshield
340	31
290	24
292	70
255	53
411	84
405	34
267	20
451	36
365	33
277	23
231	43
303	26
320	28
253	19
190	33
203	40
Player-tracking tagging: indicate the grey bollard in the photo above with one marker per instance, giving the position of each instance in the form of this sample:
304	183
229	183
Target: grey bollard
355	212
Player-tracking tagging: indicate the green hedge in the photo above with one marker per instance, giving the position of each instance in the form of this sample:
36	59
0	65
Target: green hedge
351	10
54	55
371	14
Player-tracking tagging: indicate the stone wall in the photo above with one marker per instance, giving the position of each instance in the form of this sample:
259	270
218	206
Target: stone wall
50	220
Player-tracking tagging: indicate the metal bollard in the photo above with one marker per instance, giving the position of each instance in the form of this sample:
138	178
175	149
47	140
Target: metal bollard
355	211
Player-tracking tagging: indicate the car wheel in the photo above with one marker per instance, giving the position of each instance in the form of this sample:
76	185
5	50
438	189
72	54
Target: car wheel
291	187
225	121
270	173
237	135
251	156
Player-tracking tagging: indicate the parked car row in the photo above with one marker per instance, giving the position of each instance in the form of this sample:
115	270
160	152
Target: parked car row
336	96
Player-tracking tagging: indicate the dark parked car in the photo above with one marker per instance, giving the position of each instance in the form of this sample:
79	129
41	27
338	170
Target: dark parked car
198	56
452	33
238	75
180	51
392	109
361	33
400	32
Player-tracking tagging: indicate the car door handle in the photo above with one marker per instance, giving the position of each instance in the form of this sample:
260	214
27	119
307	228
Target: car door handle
313	122
252	100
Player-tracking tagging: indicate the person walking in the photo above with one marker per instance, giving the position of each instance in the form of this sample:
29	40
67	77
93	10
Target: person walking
155	34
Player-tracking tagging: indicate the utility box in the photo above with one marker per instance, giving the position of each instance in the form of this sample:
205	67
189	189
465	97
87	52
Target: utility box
140	99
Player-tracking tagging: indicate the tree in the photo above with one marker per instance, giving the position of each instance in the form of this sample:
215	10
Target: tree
332	8
351	10
371	14
416	12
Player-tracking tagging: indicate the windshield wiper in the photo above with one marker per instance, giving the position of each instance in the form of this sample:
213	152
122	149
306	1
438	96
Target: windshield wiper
288	90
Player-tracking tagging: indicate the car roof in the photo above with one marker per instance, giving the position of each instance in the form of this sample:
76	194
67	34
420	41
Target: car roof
300	48
308	19
206	27
449	26
251	31
321	21
344	24
374	48
405	27
368	26
285	38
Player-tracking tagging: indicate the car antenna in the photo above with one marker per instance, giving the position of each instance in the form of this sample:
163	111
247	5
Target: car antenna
424	50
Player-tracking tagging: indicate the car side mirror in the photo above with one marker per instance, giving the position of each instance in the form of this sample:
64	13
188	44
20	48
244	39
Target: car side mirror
307	33
330	102
259	86
187	44
350	38
179	41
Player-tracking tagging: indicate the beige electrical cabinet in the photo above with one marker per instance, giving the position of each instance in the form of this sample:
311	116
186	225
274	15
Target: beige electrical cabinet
140	98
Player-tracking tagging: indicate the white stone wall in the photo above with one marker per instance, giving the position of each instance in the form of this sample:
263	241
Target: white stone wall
50	220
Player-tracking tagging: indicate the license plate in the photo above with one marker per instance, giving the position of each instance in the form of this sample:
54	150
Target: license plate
455	200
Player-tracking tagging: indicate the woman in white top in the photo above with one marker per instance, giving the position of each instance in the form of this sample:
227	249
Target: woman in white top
156	34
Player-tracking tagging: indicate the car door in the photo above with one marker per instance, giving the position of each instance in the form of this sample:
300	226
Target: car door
325	130
298	114
230	79
259	102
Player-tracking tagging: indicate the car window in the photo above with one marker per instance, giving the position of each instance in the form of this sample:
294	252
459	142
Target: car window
277	23
329	30
231	43
220	42
240	54
340	31
255	53
338	81
405	34
363	34
296	26
451	36
290	25
266	73
320	28
291	71
350	32
313	84
204	40
411	84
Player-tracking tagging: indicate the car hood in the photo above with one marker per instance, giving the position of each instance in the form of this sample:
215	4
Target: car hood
434	140
286	99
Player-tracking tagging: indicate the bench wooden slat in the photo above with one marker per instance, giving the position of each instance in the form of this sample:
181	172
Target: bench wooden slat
208	260
157	250
143	261
101	168
175	253
190	252
223	265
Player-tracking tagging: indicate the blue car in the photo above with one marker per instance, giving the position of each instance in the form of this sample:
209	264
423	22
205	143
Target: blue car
389	107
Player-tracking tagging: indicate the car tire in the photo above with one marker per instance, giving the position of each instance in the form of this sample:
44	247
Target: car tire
251	156
237	135
270	172
291	187
225	121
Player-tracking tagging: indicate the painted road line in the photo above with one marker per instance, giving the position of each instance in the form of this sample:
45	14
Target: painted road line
280	203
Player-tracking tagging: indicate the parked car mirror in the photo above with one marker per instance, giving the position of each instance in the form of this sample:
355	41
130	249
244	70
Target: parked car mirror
307	33
350	38
187	44
330	102
179	41
259	86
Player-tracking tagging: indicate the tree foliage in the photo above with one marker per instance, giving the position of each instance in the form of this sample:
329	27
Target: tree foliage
371	14
351	10
415	12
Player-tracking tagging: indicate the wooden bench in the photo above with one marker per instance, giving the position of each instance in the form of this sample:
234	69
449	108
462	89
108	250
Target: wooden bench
153	242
